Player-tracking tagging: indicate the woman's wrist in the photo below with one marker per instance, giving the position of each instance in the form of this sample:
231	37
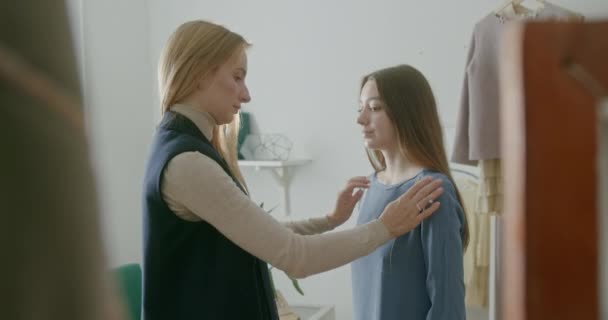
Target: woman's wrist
385	224
332	220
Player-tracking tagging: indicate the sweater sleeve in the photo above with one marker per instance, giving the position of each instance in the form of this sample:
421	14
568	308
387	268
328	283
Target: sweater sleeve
443	256
309	226
195	183
460	150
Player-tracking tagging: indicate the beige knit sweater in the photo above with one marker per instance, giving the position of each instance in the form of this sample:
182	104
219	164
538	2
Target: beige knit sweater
195	188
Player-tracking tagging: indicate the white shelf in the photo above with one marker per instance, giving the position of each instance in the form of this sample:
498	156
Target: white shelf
314	312
282	172
260	164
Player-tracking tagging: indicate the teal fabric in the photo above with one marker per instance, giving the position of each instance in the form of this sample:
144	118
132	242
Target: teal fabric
243	132
129	281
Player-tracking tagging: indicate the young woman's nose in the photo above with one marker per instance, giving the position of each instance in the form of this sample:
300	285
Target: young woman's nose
362	117
245	97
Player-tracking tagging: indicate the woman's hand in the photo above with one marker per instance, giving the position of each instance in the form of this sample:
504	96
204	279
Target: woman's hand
406	212
347	200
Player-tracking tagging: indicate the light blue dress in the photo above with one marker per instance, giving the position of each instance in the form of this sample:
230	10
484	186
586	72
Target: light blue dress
418	276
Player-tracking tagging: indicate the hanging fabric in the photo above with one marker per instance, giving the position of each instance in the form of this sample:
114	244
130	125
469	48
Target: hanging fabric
477	127
477	131
475	267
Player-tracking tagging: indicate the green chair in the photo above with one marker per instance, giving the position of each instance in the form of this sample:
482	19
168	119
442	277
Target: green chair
129	281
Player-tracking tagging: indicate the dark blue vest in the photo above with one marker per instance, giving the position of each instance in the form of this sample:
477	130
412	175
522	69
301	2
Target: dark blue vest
190	270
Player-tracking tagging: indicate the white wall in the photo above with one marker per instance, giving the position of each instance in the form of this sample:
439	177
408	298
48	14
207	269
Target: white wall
113	39
304	70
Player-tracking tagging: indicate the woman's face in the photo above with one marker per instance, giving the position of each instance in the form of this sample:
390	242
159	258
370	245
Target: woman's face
223	93
378	131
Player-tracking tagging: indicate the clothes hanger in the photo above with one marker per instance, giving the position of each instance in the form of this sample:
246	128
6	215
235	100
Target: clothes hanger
517	6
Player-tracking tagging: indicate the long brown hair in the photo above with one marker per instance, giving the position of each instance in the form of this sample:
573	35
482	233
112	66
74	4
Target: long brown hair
411	108
198	48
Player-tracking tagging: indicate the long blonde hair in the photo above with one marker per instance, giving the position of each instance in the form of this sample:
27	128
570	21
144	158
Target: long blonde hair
411	108
197	49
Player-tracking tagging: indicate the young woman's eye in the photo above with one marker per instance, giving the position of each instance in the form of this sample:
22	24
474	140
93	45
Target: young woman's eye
375	108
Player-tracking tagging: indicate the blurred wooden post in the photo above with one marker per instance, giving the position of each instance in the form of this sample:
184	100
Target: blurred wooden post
549	129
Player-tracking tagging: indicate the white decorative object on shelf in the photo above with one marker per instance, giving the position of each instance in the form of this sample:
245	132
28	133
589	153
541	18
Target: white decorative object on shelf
273	146
314	312
282	171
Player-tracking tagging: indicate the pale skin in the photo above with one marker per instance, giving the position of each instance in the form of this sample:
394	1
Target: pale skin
222	95
380	134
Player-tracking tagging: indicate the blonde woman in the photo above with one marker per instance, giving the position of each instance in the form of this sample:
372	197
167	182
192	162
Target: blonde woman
206	244
419	275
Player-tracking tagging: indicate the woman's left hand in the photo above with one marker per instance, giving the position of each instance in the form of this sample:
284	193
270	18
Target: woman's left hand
347	200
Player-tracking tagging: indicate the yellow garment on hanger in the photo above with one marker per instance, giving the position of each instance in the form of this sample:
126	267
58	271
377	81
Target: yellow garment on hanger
476	262
490	194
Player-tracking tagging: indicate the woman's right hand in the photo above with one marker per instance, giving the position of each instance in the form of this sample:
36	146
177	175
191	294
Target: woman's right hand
406	212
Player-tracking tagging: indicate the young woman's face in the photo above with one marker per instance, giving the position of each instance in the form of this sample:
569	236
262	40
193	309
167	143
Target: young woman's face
223	93
378	131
